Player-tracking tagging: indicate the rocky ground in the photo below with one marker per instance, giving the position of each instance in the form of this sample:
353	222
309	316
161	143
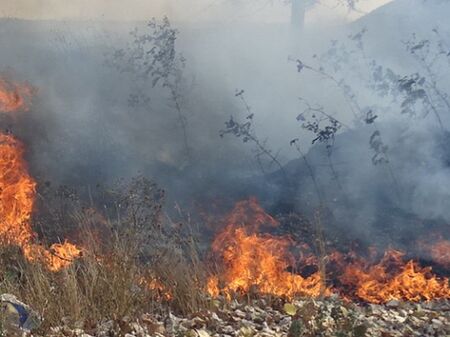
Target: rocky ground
330	317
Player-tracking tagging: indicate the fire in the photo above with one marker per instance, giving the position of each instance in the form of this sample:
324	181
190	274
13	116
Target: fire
212	286
440	253
257	261
162	292
14	97
393	279
18	192
437	249
61	255
252	260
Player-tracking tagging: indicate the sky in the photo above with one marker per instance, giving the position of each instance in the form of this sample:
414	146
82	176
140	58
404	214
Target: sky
180	10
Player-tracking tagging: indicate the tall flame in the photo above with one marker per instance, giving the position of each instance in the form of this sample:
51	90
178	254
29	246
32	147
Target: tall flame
18	191
253	260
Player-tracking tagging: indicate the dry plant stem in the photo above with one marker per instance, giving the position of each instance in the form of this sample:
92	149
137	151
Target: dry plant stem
390	170
321	111
392	174
435	112
113	278
182	121
260	146
334	172
321	248
349	100
433	85
310	108
311	173
352	103
436	90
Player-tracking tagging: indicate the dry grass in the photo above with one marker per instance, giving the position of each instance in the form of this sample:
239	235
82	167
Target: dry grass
122	257
92	289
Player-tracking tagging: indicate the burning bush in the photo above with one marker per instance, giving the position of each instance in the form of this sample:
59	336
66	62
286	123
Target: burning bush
127	259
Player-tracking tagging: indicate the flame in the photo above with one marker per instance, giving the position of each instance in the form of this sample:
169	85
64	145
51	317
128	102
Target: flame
252	260
18	191
440	253
437	249
14	97
212	286
161	291
393	279
61	255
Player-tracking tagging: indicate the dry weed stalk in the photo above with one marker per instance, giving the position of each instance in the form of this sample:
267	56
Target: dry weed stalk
321	250
133	263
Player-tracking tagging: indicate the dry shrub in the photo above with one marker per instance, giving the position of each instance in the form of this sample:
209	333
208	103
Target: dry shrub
181	271
127	248
92	289
167	249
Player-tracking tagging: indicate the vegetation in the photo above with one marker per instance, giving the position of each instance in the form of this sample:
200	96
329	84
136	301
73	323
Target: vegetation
134	262
136	259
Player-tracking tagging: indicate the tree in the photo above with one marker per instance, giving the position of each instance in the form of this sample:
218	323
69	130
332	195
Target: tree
299	8
152	58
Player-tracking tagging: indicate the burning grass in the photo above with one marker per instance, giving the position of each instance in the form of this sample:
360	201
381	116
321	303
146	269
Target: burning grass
18	195
129	258
126	259
252	259
114	278
258	261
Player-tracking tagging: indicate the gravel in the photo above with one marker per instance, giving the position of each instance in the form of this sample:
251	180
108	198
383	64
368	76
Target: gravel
266	318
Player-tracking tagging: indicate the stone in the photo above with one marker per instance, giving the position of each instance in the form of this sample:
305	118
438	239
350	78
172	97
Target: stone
18	314
393	304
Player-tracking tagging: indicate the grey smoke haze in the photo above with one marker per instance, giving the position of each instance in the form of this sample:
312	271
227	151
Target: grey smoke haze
83	130
179	10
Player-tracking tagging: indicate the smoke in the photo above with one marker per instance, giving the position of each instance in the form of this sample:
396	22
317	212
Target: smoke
91	124
181	11
84	9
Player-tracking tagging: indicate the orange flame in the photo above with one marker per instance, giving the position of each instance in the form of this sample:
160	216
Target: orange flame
437	249
161	291
392	279
18	192
14	97
251	260
257	260
61	255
